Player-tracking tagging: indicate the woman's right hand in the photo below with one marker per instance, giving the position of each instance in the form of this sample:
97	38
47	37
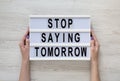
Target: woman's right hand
94	46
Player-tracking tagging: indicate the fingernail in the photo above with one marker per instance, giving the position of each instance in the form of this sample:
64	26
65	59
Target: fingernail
27	36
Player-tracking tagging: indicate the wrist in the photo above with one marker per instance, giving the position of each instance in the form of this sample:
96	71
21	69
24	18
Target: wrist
26	61
94	62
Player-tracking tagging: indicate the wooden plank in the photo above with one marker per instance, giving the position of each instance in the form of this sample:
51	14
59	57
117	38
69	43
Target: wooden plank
14	16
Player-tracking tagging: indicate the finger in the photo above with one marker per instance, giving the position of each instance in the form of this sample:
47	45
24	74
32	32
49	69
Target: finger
97	46
23	40
21	44
93	35
96	41
92	43
27	42
95	38
26	33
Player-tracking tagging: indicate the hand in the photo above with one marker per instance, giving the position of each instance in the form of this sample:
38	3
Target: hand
94	48
24	46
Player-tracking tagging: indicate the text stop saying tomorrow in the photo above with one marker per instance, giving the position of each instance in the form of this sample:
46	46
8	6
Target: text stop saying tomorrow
58	43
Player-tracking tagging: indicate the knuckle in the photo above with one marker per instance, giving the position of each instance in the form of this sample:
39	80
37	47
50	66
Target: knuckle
20	44
98	45
27	40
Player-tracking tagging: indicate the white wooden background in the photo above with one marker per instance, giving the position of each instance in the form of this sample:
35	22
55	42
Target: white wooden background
106	23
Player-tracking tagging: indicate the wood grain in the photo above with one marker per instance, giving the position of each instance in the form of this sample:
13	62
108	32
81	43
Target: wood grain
14	18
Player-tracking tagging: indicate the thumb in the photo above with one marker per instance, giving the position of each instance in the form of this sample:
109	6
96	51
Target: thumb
92	43
27	42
